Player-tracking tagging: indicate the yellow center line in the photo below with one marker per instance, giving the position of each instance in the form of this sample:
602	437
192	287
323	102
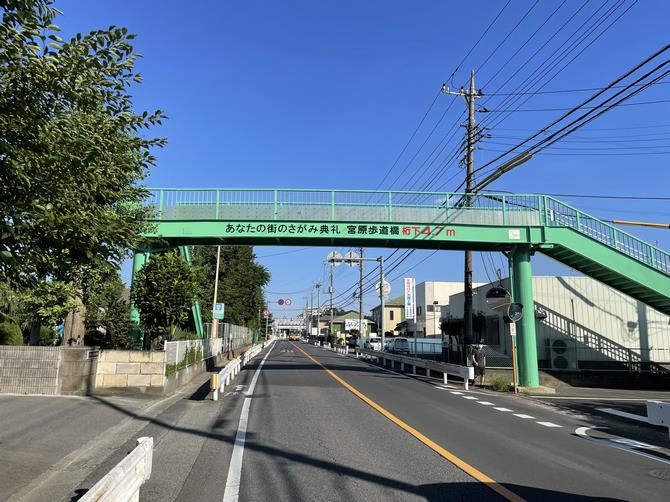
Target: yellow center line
461	464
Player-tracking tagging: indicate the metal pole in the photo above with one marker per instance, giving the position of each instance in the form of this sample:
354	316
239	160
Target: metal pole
381	300
311	309
318	308
526	342
330	291
360	296
215	322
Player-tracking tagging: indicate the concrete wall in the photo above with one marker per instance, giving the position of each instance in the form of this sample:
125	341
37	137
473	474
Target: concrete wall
77	370
29	370
143	371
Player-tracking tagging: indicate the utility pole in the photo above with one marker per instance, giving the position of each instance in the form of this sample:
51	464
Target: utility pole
318	308
470	95
360	296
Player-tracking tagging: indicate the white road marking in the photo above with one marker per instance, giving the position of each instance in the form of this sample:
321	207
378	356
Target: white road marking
624	414
521	415
625	444
502	409
596	398
469	397
485	403
232	491
456	393
549	424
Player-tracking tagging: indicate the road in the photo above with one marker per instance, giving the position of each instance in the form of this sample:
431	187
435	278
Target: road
360	432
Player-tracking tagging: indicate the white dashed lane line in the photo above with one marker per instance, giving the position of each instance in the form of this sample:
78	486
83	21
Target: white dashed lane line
502	409
456	393
469	397
549	424
485	403
521	415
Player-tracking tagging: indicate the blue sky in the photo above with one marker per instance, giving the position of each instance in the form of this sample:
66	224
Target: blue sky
301	94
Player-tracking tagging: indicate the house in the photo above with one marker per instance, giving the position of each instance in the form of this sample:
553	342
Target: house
394	314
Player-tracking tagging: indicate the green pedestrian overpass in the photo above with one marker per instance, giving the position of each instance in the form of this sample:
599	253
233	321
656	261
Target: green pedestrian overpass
517	224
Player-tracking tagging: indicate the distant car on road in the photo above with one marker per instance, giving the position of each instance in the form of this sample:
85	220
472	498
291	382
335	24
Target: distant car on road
373	343
398	346
293	338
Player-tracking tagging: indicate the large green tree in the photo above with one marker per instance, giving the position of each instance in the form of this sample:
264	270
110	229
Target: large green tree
72	149
163	292
241	282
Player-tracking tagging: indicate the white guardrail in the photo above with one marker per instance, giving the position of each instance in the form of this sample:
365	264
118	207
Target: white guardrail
337	348
222	378
658	413
467	373
122	483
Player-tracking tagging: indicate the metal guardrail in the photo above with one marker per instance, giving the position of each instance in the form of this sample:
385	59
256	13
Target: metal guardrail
222	378
658	413
467	373
123	482
397	207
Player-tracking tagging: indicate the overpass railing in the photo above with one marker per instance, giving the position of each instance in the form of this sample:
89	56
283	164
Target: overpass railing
396	207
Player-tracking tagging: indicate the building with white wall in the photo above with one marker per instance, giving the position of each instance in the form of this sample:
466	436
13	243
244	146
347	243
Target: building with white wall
580	324
432	304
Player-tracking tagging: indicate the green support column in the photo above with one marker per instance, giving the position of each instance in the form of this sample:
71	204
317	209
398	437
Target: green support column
522	279
139	259
195	308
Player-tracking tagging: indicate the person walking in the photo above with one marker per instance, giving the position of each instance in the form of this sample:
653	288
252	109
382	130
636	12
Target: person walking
479	363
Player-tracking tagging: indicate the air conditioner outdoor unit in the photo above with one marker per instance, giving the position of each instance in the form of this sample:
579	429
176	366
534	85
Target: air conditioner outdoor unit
562	356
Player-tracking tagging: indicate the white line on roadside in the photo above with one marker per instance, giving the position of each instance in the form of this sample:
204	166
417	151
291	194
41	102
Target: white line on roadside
502	409
549	424
469	397
485	403
521	415
456	393
232	491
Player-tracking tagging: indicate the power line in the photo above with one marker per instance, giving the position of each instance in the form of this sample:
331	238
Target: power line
559	91
583	108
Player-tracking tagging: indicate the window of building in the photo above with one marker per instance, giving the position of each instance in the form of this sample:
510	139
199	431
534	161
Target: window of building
391	314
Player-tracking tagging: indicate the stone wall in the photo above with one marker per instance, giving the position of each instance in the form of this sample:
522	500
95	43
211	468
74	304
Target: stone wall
29	370
132	370
77	369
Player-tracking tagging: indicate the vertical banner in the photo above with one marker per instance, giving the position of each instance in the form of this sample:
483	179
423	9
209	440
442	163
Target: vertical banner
410	297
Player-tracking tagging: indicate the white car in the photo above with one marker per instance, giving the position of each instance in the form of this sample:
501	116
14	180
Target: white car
374	343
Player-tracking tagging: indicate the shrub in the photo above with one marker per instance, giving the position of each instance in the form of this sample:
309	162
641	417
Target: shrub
501	384
10	332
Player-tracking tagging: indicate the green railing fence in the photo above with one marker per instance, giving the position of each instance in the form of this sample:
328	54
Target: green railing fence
397	207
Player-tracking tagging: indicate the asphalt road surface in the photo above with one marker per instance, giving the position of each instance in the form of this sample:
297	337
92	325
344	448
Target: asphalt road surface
287	429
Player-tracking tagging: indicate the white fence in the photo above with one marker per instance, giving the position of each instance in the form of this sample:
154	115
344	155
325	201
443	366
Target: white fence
122	484
222	378
467	373
189	351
